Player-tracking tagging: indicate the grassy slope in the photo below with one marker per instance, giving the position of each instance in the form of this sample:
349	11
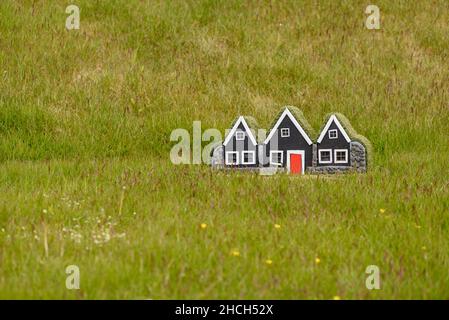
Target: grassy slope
83	114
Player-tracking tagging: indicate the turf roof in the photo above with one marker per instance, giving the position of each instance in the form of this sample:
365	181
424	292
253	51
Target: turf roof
299	116
252	124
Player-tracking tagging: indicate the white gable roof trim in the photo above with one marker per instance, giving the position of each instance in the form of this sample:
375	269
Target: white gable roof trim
333	118
242	120
295	122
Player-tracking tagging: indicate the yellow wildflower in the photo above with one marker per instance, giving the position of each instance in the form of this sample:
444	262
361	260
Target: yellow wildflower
235	253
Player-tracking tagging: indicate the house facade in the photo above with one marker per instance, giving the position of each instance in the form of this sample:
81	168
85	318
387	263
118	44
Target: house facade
333	145
288	145
240	148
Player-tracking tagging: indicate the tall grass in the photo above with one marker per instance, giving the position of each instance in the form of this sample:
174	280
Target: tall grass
85	113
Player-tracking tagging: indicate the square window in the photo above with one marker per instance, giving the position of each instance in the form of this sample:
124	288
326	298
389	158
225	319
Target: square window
240	135
341	156
249	157
325	156
276	157
232	158
285	132
333	134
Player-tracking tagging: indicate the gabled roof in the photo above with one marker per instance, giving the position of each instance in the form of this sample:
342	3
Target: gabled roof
298	120
333	118
248	123
349	130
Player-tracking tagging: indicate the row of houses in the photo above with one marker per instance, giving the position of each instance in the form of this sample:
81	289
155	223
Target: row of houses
291	144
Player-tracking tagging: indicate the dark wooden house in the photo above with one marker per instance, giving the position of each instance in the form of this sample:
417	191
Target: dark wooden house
288	143
240	148
333	144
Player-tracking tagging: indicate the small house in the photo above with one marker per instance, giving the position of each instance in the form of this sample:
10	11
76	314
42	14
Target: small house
240	147
339	148
288	143
333	144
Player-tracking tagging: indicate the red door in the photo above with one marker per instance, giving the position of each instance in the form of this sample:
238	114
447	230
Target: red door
296	163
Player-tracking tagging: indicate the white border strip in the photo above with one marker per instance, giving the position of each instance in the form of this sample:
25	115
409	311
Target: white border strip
249	152
228	153
330	156
295	122
328	124
276	152
241	119
341	161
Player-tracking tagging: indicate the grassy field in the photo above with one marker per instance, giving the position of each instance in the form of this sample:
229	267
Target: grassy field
86	178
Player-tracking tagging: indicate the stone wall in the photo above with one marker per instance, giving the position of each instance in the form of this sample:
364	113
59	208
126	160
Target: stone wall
329	169
358	158
217	160
314	155
359	161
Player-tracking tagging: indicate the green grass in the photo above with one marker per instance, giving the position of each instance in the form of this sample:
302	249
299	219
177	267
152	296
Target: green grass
85	113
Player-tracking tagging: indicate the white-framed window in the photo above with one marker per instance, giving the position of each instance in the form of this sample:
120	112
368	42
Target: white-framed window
232	158
325	156
341	156
249	157
240	135
285	132
333	134
277	157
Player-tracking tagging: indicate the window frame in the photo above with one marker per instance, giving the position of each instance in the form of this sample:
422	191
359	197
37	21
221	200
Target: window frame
329	134
248	152
285	135
227	158
324	161
282	157
237	135
346	156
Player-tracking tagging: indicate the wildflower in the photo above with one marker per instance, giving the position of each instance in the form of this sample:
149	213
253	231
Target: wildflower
44	211
337	298
382	210
269	262
203	226
317	260
277	226
235	253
